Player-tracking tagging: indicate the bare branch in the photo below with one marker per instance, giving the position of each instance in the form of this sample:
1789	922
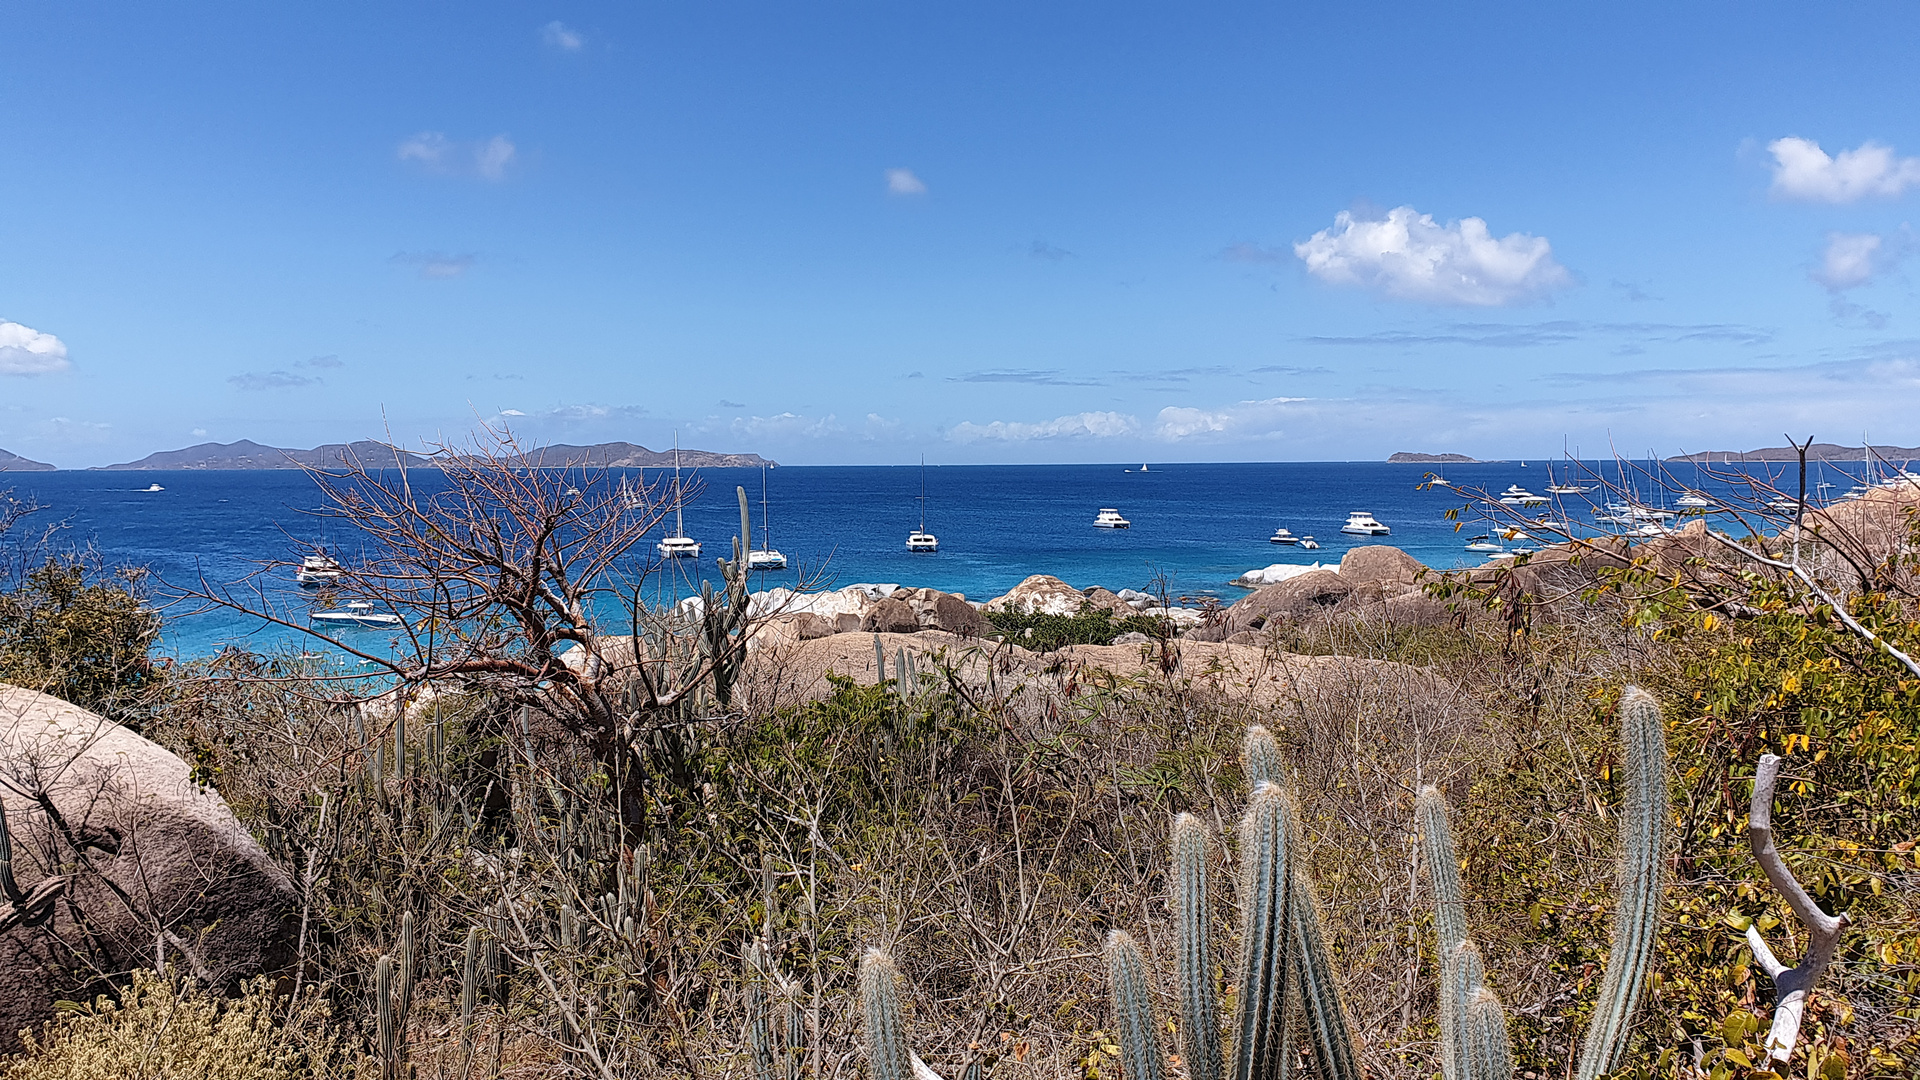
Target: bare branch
1792	986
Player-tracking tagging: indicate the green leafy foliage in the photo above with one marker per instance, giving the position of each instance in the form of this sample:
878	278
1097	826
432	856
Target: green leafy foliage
85	641
1089	626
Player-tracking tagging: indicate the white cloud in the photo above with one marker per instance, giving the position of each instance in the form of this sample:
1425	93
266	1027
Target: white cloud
1409	256
561	36
903	182
433	151
511	412
436	265
1245	419
1086	425
785	425
26	351
1850	259
1804	171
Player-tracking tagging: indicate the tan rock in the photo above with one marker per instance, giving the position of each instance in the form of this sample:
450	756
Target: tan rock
157	852
1379	562
890	617
954	615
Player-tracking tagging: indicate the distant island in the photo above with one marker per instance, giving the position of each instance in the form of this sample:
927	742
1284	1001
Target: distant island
1820	451
1405	458
11	462
246	454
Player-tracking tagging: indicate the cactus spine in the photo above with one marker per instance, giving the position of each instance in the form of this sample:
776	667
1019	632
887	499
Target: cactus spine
1139	1036
1260	756
886	1031
1260	1049
1462	976
1643	838
1328	1032
1199	993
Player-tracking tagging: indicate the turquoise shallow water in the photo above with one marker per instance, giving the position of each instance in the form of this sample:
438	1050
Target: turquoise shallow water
1200	525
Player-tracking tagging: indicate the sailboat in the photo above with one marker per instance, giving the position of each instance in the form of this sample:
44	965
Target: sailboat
677	544
766	557
920	539
1566	487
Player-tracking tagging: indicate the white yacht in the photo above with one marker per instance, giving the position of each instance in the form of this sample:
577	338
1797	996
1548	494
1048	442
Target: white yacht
1109	518
1483	543
153	487
920	539
358	613
1693	499
1309	543
677	544
1362	523
766	556
317	570
1515	495
1566	487
1283	536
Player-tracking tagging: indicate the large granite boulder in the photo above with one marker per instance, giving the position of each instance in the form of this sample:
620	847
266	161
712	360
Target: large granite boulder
1293	597
115	847
1045	594
890	617
952	614
1380	562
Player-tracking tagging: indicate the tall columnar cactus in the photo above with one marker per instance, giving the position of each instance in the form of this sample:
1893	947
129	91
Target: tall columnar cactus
1139	1033
888	1055
1329	1033
383	1025
403	993
1260	1048
1644	828
1199	991
469	988
1443	869
8	886
1489	1048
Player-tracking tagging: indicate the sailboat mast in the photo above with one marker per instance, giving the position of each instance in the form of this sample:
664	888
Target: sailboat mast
923	493
766	530
679	518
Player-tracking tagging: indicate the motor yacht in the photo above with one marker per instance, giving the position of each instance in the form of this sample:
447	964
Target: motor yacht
1515	495
358	613
1693	499
1109	518
1283	536
1363	523
1309	543
677	544
153	487
317	570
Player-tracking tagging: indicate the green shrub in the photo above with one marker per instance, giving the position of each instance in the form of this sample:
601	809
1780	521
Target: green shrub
84	642
1089	626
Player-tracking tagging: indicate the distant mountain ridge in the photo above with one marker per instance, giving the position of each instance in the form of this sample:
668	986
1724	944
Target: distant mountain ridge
1407	458
12	462
247	454
1820	451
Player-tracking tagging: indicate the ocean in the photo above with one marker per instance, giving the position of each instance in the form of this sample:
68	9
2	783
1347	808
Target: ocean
1196	526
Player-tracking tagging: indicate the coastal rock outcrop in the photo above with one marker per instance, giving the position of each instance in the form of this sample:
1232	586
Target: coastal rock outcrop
954	615
890	617
1044	594
1307	592
141	852
1380	562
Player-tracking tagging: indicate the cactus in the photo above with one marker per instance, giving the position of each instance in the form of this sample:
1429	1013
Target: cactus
879	661
1490	1053
885	1029
1260	756
759	1039
1443	868
1462	975
1265	936
1139	1035
1199	992
469	988
383	1017
1329	1034
1643	837
403	994
8	885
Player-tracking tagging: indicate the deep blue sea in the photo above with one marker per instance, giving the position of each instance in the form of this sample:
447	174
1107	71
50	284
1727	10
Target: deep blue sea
1198	525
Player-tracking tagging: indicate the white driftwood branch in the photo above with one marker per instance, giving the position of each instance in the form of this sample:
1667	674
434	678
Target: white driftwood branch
1792	986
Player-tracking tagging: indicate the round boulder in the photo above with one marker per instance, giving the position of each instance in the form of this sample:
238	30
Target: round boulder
115	847
1380	562
954	615
890	617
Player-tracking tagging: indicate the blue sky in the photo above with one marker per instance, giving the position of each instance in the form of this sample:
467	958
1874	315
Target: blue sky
982	232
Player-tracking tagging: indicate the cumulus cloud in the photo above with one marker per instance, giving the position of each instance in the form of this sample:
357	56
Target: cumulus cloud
560	36
434	152
26	351
1086	425
903	182
1245	419
436	265
786	425
1850	259
1409	256
1801	170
